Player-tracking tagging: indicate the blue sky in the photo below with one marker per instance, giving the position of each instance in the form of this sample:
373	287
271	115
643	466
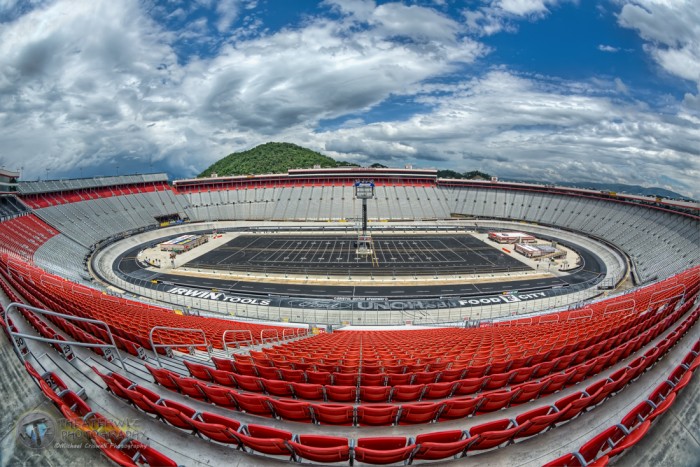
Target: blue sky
603	91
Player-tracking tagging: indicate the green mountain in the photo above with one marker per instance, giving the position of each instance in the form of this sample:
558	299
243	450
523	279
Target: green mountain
474	174
270	158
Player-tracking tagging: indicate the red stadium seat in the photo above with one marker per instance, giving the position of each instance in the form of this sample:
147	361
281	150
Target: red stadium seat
469	386
341	393
190	387
277	388
497	400
441	445
438	390
419	412
537	420
407	393
308	391
247	382
293	376
398	379
225	364
377	414
318	377
219	395
268	373
265	439
334	414
492	434
146	455
223	377
289	409
143	399
198	371
383	450
372	379
216	427
460	407
174	413
162	377
344	379
375	393
529	391
253	403
320	448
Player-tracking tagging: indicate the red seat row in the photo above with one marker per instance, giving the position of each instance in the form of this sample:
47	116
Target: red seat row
112	441
24	235
129	319
634	425
43	200
317	448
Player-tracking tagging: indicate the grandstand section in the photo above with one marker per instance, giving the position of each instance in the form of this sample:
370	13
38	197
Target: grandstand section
239	350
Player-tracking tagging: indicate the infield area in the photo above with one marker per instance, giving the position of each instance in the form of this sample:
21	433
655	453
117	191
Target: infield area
393	254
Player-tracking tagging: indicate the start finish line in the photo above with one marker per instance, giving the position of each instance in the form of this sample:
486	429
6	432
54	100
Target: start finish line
374	303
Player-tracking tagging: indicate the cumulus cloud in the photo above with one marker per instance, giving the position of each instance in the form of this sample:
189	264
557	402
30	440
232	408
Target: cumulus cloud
93	85
672	32
521	127
82	84
500	15
608	48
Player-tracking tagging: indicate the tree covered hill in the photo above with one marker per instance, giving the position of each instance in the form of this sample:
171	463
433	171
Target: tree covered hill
270	158
279	157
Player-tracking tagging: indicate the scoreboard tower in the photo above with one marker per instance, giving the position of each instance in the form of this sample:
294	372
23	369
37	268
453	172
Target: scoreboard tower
364	190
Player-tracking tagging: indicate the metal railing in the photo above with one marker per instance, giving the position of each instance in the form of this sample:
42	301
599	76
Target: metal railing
237	342
620	306
264	339
17	337
653	302
190	345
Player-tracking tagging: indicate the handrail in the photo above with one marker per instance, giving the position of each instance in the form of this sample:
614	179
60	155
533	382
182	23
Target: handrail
668	299
611	305
262	338
223	338
581	313
168	346
14	306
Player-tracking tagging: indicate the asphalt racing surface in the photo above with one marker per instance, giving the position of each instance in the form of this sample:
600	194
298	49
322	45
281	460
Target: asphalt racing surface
336	255
591	270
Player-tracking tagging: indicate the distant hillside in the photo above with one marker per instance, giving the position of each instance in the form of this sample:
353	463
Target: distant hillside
279	157
618	188
473	175
270	158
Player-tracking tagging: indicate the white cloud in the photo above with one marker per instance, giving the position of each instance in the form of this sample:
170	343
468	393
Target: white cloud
500	15
228	12
621	86
672	32
87	84
96	84
522	127
524	7
608	48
